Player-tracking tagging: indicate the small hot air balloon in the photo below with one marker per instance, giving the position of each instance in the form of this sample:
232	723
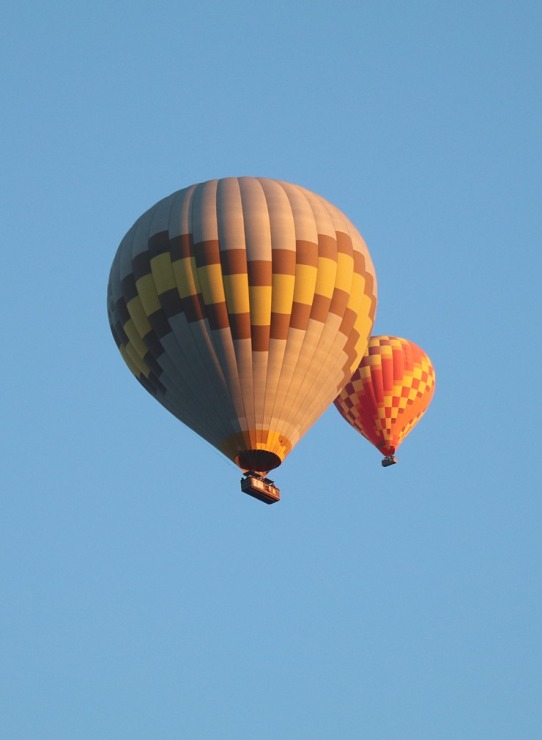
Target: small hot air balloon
389	393
243	305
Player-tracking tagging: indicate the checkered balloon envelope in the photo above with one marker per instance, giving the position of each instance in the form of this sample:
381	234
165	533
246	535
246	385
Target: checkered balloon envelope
388	393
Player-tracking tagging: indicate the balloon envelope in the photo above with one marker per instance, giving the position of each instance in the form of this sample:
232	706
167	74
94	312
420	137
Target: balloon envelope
243	305
389	392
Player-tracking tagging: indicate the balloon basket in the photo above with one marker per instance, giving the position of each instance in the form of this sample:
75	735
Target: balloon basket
389	460
259	487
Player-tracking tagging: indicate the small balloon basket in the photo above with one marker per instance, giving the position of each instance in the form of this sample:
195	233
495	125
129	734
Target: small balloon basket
388	460
259	487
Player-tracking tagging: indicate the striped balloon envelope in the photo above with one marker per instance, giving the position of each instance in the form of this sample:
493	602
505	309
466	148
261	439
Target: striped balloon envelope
243	305
388	393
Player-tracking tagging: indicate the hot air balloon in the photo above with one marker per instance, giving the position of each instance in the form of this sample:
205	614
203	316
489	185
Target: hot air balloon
243	305
388	393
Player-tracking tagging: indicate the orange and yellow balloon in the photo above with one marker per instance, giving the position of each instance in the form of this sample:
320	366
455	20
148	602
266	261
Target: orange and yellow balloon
243	305
388	393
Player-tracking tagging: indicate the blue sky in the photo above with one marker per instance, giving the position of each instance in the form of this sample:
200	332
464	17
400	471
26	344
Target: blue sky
142	594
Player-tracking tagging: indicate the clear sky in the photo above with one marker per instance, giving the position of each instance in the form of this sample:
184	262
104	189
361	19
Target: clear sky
142	595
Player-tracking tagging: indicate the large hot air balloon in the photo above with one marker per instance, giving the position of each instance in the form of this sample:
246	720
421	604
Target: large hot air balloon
389	393
243	305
